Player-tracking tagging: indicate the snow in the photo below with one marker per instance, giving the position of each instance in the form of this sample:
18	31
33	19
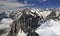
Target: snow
45	13
49	28
43	32
21	33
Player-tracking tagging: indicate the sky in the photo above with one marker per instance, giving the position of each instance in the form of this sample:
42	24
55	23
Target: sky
42	3
9	4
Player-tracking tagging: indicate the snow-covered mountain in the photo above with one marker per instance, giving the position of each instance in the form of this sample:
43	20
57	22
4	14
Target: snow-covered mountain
51	17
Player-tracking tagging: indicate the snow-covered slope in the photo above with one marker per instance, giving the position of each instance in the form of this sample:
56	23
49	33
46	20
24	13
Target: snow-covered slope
21	34
49	28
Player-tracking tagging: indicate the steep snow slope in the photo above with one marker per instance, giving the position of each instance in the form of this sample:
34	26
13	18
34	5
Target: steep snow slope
21	34
49	28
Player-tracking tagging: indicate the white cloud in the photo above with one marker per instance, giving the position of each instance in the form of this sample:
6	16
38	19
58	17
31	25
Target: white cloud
6	23
7	4
44	0
8	0
41	1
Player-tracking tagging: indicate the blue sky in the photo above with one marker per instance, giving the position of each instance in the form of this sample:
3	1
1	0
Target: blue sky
9	4
42	3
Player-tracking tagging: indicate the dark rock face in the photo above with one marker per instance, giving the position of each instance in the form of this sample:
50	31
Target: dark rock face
14	28
30	21
53	15
3	15
32	34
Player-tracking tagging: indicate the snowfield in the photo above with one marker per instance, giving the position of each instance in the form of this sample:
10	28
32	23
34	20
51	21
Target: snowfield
49	28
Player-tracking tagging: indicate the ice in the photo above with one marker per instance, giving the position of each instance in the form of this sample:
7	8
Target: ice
49	28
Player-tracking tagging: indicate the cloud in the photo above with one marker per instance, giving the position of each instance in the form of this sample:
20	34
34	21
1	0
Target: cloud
9	4
41	1
44	0
8	0
5	26
32	1
6	23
